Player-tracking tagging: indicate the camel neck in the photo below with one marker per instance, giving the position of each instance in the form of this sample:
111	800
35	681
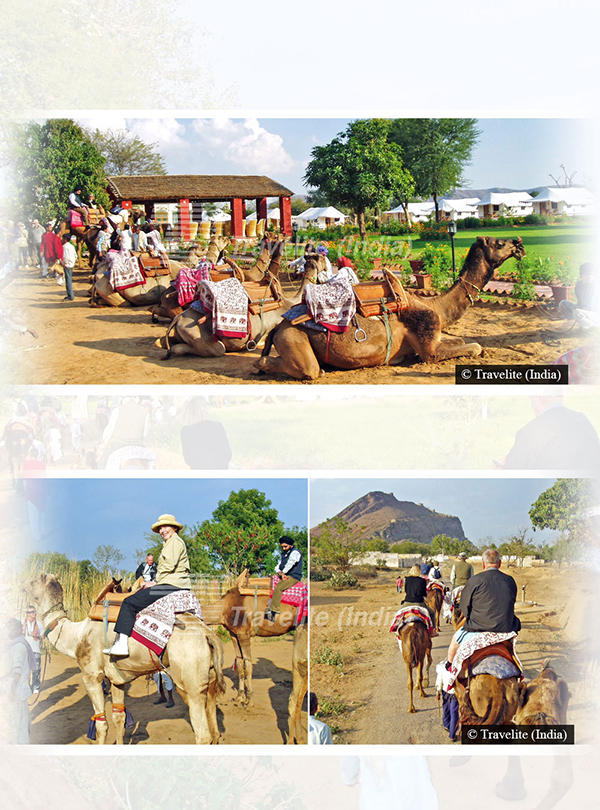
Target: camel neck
452	305
65	634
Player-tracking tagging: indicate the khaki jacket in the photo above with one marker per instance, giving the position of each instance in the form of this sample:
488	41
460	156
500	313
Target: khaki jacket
173	564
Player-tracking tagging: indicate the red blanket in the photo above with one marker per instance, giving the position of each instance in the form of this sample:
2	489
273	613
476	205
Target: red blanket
297	595
411	613
433	584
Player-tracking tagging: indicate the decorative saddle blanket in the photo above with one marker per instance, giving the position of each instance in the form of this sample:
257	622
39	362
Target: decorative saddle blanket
227	301
478	646
76	219
411	613
433	584
332	304
187	280
124	271
297	596
154	625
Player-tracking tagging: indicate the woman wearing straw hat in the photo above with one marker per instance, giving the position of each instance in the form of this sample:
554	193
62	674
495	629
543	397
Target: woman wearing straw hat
172	574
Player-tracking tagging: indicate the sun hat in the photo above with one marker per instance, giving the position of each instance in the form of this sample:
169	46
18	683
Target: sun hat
463	555
166	520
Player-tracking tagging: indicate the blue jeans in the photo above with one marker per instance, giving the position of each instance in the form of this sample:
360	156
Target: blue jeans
69	282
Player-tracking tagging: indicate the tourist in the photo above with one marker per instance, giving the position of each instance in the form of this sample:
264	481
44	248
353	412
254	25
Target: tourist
289	569
68	262
77	204
147	569
21	243
172	574
18	665
126	238
37	233
163	682
319	733
461	572
51	250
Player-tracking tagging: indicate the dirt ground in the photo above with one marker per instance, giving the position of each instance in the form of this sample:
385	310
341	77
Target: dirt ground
368	689
62	713
79	344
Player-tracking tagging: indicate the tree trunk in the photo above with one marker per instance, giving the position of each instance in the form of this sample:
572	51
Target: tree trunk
406	213
362	229
437	208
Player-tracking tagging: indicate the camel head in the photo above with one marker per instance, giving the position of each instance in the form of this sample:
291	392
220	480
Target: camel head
487	254
45	591
543	701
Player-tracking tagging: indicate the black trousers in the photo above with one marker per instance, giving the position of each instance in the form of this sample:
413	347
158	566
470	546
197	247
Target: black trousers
138	601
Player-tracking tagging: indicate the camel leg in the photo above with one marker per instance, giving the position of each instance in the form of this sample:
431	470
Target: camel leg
118	716
420	678
512	786
411	707
429	662
297	360
246	649
94	689
211	710
446	350
199	719
239	665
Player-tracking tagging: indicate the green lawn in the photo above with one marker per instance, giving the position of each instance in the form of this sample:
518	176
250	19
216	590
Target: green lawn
561	242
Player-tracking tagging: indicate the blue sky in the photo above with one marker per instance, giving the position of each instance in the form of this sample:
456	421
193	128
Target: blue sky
493	508
512	152
83	514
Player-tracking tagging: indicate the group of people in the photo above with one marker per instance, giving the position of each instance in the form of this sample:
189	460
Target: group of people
487	602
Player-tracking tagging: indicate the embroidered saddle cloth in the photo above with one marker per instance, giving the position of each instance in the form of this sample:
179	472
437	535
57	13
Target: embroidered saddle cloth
227	301
333	304
124	270
433	584
297	596
154	624
477	647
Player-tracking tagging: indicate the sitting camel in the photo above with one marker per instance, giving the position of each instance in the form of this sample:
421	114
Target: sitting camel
193	657
243	617
415	329
543	701
269	260
191	332
416	647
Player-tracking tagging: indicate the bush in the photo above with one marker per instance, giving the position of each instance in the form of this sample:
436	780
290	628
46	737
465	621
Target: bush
330	707
535	219
468	223
365	572
340	581
328	656
396	228
318	574
434	231
438	262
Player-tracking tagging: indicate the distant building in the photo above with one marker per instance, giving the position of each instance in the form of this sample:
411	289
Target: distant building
321	217
391	560
571	202
505	204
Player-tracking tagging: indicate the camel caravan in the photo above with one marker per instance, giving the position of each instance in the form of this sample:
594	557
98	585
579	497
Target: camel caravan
481	680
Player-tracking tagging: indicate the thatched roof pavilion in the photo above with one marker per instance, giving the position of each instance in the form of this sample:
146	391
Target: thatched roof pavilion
202	188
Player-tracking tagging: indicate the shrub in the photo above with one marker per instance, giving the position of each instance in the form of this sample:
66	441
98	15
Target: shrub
331	707
365	572
340	581
438	262
329	657
396	228
535	219
318	574
468	223
523	289
434	231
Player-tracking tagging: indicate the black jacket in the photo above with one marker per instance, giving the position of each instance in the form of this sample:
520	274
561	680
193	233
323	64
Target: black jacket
415	589
139	571
488	602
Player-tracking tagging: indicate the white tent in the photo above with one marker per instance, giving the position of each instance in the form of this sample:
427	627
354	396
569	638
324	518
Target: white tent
321	217
568	201
508	203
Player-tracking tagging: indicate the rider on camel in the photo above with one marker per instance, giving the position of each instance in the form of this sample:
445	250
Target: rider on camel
488	603
289	569
172	574
77	204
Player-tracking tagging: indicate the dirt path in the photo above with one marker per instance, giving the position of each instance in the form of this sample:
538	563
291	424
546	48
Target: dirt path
62	713
79	344
365	689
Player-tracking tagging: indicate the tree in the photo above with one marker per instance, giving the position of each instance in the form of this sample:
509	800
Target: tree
242	533
519	546
48	162
435	151
360	168
107	557
299	205
410	547
562	507
337	545
452	546
376	544
125	153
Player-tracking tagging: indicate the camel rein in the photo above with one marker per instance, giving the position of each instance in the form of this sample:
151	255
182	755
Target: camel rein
475	287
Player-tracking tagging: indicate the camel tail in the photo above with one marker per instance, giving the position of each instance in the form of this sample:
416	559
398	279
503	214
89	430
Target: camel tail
216	649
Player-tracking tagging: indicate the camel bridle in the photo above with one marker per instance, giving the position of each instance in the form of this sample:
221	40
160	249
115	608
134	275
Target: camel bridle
58	608
475	287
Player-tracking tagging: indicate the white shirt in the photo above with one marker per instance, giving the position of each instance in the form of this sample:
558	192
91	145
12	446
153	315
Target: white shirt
318	733
142	240
291	561
69	255
126	240
34	643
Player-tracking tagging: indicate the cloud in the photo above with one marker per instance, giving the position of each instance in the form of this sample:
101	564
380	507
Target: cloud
103	122
247	145
169	133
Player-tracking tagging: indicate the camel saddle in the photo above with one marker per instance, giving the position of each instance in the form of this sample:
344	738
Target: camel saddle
248	586
264	295
108	597
375	297
154	266
502	648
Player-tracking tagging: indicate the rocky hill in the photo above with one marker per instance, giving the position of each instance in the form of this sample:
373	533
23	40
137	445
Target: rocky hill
381	514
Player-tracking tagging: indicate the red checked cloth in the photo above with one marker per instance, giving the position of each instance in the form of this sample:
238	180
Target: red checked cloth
154	624
333	304
187	281
297	595
411	613
228	302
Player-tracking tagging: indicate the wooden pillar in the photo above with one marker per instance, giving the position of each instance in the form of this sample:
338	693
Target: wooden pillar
196	211
243	209
285	212
237	217
261	208
184	219
149	211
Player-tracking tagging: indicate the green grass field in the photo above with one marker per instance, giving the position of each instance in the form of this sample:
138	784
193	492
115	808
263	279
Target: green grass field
562	242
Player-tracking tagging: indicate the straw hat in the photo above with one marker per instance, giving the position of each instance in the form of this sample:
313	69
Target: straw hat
166	520
462	555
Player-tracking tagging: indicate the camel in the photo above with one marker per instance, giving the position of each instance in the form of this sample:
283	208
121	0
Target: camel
487	701
243	617
299	684
269	259
415	329
543	701
457	617
416	646
191	332
193	658
435	600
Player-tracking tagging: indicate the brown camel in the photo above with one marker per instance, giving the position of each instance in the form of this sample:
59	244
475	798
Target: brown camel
299	684
543	701
416	647
190	334
193	658
269	260
243	617
487	701
85	236
414	330
435	600
457	617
